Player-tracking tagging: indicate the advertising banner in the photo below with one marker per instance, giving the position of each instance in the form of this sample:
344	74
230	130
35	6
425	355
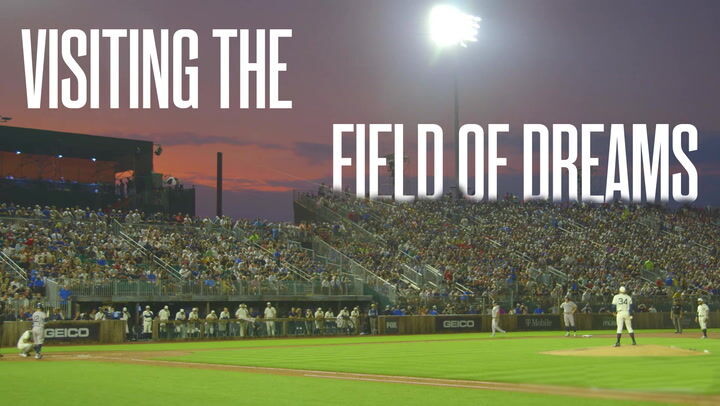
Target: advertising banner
391	325
458	323
538	322
70	331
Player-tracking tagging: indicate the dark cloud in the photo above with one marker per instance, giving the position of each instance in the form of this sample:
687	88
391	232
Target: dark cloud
191	138
316	152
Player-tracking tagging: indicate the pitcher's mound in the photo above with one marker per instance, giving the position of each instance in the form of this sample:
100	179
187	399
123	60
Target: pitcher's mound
628	351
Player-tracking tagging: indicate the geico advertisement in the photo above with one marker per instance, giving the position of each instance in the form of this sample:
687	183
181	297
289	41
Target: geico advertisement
458	323
72	332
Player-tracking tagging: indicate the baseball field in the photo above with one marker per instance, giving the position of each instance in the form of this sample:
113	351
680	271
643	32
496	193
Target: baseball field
511	369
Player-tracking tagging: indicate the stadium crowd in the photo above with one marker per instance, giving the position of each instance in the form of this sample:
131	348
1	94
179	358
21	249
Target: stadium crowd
487	246
478	251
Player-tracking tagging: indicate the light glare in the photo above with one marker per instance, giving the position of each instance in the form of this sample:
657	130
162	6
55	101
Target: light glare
450	26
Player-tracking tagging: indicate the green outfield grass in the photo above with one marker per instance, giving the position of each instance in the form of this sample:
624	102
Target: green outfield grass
281	342
451	356
506	360
69	383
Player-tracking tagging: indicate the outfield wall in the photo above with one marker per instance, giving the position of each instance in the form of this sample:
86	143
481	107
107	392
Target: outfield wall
531	322
68	332
113	331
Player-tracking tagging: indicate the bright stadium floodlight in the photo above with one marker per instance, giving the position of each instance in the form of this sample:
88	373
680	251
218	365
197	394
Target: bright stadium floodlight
449	26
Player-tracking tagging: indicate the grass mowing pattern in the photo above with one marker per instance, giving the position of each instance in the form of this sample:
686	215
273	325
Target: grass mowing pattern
280	342
89	383
505	360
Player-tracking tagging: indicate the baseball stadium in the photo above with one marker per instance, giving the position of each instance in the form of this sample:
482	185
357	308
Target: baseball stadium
212	202
355	300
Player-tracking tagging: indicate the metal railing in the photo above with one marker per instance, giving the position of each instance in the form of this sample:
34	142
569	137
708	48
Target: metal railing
414	275
341	260
187	289
119	228
10	264
240	235
257	328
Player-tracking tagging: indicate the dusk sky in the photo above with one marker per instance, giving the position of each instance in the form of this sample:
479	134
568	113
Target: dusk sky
361	61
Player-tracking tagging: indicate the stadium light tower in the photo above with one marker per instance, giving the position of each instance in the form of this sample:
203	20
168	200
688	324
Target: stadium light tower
450	28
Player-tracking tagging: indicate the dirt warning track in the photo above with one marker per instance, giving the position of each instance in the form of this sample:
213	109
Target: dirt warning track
150	358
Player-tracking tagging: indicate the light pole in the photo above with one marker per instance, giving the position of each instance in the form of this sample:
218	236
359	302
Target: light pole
450	28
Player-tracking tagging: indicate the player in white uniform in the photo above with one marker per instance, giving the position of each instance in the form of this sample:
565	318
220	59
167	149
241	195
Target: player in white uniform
569	308
180	327
38	329
330	321
354	319
243	315
224	320
163	316
703	315
147	317
100	315
25	343
319	321
193	317
342	319
210	324
270	313
622	306
126	318
495	319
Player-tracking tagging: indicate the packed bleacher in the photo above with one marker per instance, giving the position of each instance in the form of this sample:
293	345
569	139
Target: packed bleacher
651	250
530	251
82	244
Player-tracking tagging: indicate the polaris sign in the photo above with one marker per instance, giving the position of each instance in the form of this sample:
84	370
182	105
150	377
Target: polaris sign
457	323
69	331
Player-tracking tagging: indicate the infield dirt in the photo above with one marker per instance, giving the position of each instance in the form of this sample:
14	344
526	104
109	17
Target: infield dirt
628	351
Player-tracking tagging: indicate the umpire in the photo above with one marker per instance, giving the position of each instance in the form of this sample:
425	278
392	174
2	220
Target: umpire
676	312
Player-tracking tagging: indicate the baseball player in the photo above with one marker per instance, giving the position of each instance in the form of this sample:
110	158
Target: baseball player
224	320
126	318
243	315
495	317
354	319
164	316
25	343
100	315
270	313
373	317
193	318
211	322
180	327
308	322
676	313
342	320
622	309
569	308
147	317
38	329
319	320
330	321
703	315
